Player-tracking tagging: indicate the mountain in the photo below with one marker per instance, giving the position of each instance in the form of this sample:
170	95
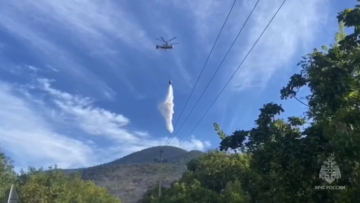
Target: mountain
129	177
148	155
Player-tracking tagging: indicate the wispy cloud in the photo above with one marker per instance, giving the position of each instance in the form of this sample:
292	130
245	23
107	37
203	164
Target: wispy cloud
30	139
62	33
94	23
34	133
92	120
47	51
292	32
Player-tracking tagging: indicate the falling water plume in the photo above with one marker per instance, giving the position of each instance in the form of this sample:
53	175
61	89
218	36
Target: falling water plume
167	109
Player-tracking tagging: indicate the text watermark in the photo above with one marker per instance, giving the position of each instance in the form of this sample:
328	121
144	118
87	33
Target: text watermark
330	187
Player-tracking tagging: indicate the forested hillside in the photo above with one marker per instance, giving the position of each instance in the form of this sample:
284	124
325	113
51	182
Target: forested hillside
128	178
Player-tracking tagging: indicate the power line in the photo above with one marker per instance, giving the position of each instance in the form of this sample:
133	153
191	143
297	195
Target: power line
218	68
202	70
217	97
299	99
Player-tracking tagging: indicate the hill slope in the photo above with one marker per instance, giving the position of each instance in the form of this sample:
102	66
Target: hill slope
129	177
148	155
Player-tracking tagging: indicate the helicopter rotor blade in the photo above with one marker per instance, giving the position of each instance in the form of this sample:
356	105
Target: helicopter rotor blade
163	40
172	39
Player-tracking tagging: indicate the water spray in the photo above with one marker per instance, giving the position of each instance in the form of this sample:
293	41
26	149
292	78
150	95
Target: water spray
167	108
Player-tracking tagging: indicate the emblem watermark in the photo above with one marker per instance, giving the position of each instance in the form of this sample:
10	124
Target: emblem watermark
329	172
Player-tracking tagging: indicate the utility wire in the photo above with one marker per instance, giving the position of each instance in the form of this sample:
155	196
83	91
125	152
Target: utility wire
234	73
202	70
213	76
299	99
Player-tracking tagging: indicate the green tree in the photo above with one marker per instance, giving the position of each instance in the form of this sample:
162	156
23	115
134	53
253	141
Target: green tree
190	192
7	174
53	186
334	103
215	169
215	177
284	162
233	193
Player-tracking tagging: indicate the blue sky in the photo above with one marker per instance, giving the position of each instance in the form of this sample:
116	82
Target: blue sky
81	81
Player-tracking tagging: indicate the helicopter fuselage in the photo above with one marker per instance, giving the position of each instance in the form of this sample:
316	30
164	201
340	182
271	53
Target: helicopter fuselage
165	46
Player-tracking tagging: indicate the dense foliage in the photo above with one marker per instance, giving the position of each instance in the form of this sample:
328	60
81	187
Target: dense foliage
7	174
52	186
213	178
280	160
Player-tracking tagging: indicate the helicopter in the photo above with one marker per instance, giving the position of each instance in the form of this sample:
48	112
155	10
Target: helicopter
167	45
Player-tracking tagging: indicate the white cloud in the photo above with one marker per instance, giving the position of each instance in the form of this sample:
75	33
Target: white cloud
99	27
32	137
99	21
193	143
90	119
141	133
46	49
